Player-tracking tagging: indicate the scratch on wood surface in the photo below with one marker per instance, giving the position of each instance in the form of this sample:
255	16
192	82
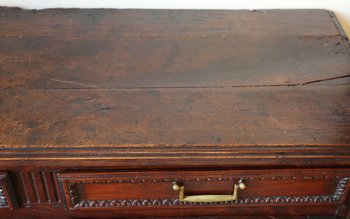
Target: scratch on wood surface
73	83
324	79
84	85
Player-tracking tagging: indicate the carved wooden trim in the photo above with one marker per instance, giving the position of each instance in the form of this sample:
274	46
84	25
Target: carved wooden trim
39	187
340	189
3	202
7	198
204	179
176	202
73	193
76	203
122	152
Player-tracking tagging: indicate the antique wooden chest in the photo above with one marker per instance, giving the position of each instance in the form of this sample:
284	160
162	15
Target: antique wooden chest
186	113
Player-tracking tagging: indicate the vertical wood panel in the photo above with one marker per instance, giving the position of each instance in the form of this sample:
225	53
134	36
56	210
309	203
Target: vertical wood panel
54	181
39	187
45	186
27	187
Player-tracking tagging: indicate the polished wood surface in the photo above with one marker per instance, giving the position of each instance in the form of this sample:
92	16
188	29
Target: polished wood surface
214	83
103	191
92	102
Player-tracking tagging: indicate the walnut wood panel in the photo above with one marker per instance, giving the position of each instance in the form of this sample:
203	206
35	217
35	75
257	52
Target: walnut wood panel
164	23
213	62
91	61
154	189
149	63
7	196
157	95
184	125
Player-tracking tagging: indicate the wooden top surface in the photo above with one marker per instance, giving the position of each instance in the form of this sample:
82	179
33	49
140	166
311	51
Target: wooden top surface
148	83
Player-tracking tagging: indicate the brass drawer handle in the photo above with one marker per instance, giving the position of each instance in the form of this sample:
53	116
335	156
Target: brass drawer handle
208	198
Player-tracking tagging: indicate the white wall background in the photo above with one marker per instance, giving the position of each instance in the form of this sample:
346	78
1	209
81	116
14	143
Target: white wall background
340	7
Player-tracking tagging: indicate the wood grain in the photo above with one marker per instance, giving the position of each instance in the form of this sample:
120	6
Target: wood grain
107	95
58	23
308	115
149	63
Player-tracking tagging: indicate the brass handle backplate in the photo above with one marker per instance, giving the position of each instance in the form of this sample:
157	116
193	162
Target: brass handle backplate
208	198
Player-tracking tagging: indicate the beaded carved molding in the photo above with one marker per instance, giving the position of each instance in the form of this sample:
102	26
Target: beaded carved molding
77	203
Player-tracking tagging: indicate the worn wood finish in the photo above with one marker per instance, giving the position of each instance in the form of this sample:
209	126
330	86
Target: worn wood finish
168	48
60	23
173	62
100	110
118	118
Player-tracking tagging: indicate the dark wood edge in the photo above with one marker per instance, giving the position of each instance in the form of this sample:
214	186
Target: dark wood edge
174	151
341	31
174	157
339	27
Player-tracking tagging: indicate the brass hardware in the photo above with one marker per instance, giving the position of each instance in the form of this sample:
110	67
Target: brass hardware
208	198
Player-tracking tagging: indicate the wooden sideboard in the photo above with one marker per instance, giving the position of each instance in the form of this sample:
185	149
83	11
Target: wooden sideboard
173	113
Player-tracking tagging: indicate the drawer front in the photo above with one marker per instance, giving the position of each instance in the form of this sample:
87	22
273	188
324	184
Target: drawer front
116	190
7	197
